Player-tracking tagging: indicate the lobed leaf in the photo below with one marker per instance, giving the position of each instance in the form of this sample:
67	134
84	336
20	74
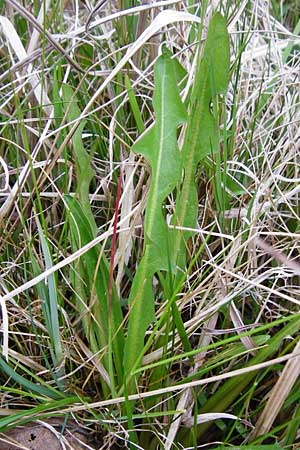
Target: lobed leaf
159	147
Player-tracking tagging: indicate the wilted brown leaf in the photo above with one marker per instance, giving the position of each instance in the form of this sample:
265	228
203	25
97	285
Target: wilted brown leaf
44	436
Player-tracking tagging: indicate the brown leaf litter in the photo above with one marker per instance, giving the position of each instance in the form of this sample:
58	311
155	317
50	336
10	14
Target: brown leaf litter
45	435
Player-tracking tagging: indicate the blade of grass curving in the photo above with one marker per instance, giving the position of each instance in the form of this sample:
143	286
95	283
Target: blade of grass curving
39	389
202	127
38	412
159	147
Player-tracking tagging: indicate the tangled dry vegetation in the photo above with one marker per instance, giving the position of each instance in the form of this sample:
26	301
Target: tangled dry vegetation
221	362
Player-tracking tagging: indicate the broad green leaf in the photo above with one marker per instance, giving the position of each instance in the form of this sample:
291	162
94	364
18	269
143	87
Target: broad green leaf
159	147
202	127
93	275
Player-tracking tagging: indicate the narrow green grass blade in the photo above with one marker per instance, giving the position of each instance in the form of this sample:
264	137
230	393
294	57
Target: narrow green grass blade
52	307
58	102
293	427
40	411
29	385
84	170
134	105
159	147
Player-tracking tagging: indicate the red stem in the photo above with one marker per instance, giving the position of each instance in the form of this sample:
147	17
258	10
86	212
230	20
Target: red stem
113	247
